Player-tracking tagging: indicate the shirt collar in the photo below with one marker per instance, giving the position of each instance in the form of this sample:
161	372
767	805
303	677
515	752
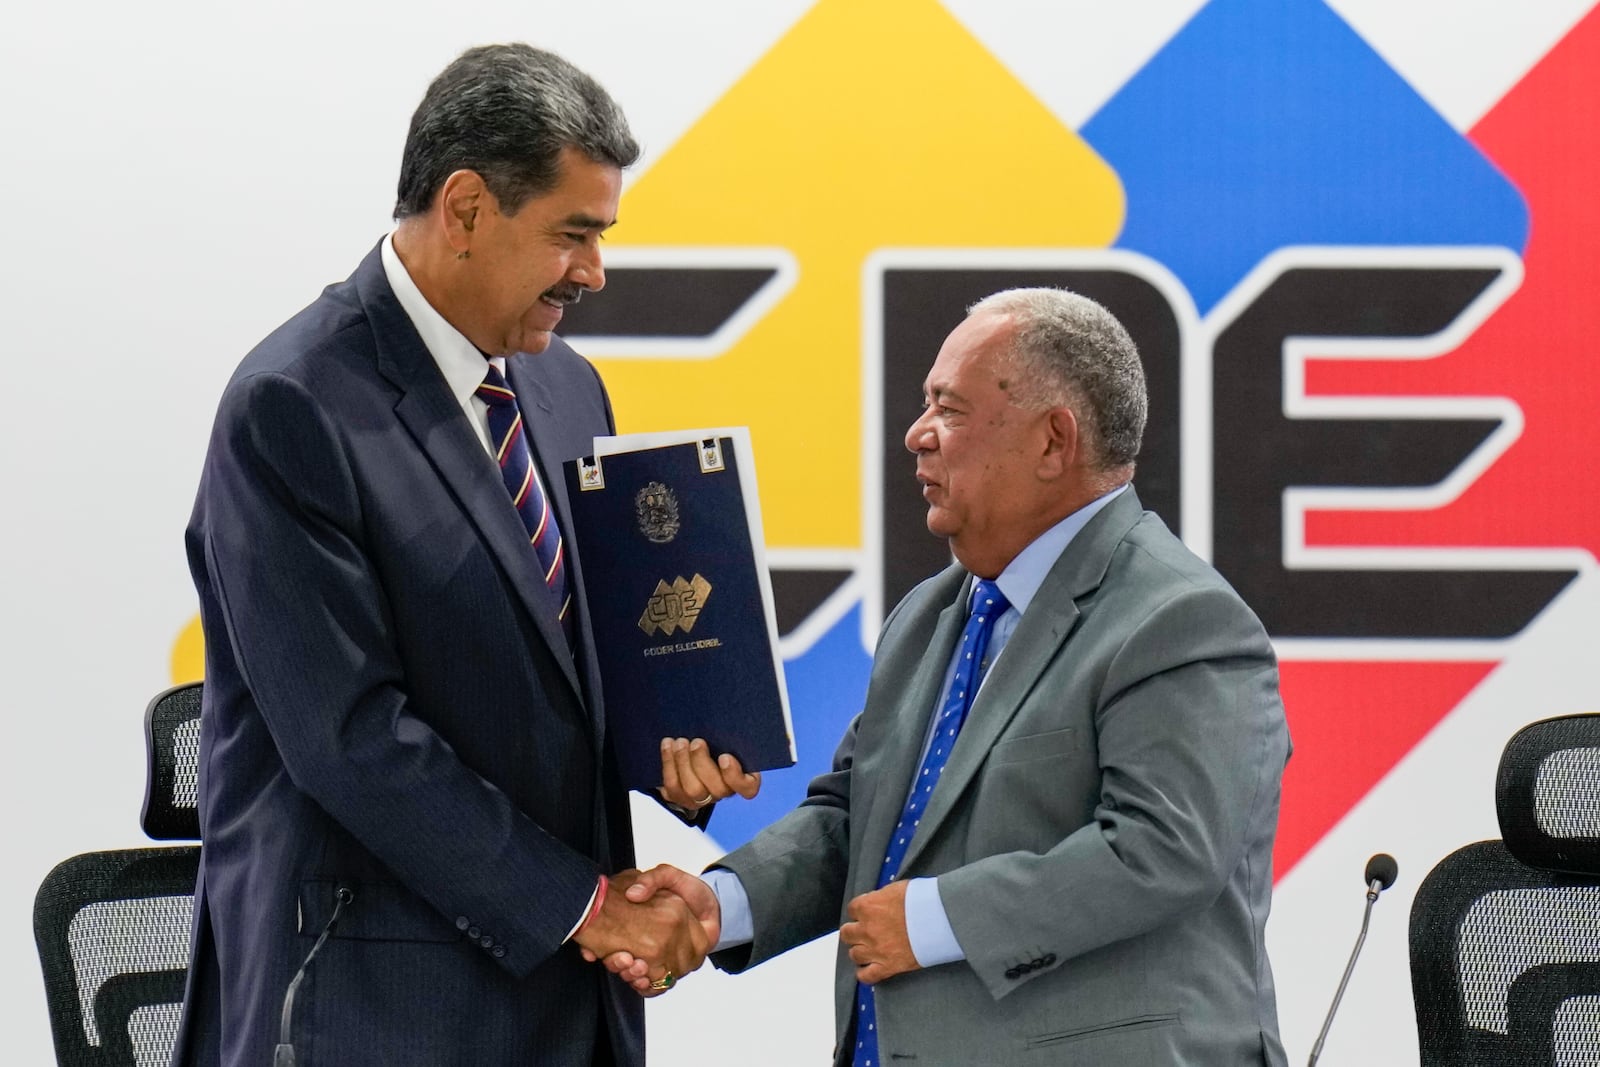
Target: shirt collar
1023	576
459	360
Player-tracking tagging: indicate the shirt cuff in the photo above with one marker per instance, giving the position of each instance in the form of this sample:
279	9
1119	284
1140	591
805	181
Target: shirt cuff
585	914
738	927
928	925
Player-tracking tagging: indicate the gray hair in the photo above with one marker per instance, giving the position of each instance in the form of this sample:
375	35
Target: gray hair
1068	350
507	111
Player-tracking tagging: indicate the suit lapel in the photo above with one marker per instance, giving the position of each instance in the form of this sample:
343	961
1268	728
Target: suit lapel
434	419
1038	640
921	654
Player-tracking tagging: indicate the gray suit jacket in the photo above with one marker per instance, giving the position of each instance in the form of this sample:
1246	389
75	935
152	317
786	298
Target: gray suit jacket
1102	835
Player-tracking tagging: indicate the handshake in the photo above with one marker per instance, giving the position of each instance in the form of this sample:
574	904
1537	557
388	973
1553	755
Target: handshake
651	928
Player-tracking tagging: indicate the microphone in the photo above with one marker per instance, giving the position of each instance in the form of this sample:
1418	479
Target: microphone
283	1055
1380	875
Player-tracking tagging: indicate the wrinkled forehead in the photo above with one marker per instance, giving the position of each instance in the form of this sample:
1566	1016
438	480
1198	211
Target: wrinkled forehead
977	349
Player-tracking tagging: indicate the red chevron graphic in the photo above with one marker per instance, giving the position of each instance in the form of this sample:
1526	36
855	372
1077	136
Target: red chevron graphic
1352	722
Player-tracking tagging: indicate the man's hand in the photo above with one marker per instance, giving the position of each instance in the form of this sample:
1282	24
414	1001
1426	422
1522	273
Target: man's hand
658	933
664	880
876	934
691	779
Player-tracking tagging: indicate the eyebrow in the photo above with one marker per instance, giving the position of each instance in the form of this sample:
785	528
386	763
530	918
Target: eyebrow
587	222
944	392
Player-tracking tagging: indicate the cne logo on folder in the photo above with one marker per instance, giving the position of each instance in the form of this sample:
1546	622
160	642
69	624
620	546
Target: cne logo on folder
676	606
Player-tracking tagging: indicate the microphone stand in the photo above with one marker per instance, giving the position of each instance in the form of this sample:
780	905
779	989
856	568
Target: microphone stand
283	1055
1374	887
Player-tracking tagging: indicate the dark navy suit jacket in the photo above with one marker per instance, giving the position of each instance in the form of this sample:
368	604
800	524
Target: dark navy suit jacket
390	709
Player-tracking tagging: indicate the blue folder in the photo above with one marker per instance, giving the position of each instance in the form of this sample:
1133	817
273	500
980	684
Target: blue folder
680	601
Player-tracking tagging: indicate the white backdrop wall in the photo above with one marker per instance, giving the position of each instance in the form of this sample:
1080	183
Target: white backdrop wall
181	176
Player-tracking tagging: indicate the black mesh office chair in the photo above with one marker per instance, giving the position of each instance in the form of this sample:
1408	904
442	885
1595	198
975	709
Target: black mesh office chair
113	936
1505	935
113	927
172	749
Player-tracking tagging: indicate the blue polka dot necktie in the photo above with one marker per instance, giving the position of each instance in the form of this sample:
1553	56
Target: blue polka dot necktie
988	604
510	443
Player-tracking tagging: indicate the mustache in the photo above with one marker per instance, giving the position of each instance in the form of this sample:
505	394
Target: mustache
565	294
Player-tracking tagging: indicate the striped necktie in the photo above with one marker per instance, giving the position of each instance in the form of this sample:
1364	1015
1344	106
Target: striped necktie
527	495
988	604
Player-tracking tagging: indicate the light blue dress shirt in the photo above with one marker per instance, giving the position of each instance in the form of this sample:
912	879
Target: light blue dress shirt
927	925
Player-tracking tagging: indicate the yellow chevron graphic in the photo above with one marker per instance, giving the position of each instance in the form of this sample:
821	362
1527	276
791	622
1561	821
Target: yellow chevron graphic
871	124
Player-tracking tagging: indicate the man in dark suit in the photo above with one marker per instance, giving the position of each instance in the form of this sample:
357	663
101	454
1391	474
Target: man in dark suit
1047	839
403	750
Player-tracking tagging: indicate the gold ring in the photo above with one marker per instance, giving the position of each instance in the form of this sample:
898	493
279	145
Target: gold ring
664	983
703	801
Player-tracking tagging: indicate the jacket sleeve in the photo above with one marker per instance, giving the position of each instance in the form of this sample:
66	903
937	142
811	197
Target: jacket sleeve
794	871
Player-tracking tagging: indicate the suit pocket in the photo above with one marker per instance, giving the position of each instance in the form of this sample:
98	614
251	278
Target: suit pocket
378	911
1111	1029
1032	791
1035	746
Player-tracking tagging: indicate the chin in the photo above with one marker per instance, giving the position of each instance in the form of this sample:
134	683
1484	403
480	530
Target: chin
535	342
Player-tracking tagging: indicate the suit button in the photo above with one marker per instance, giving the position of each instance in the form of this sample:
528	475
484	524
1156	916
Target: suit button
486	941
1049	960
499	952
1013	973
1040	962
462	922
473	932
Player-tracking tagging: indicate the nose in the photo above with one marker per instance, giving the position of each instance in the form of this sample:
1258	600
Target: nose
587	270
919	435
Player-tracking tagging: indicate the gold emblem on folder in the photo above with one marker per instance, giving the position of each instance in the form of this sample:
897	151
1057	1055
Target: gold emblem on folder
656	507
676	606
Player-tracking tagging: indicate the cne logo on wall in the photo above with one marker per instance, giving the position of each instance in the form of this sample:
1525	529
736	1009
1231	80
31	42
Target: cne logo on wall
1364	331
1336	294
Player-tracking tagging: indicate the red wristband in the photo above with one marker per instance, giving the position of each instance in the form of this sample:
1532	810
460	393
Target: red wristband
594	908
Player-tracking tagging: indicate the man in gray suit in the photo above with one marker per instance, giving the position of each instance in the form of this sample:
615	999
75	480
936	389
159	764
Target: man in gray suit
1067	859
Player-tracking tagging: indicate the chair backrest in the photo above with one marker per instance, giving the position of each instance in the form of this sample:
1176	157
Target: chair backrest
1505	935
113	936
1547	794
172	750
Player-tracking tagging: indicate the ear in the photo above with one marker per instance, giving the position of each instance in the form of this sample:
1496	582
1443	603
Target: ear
1060	428
460	199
